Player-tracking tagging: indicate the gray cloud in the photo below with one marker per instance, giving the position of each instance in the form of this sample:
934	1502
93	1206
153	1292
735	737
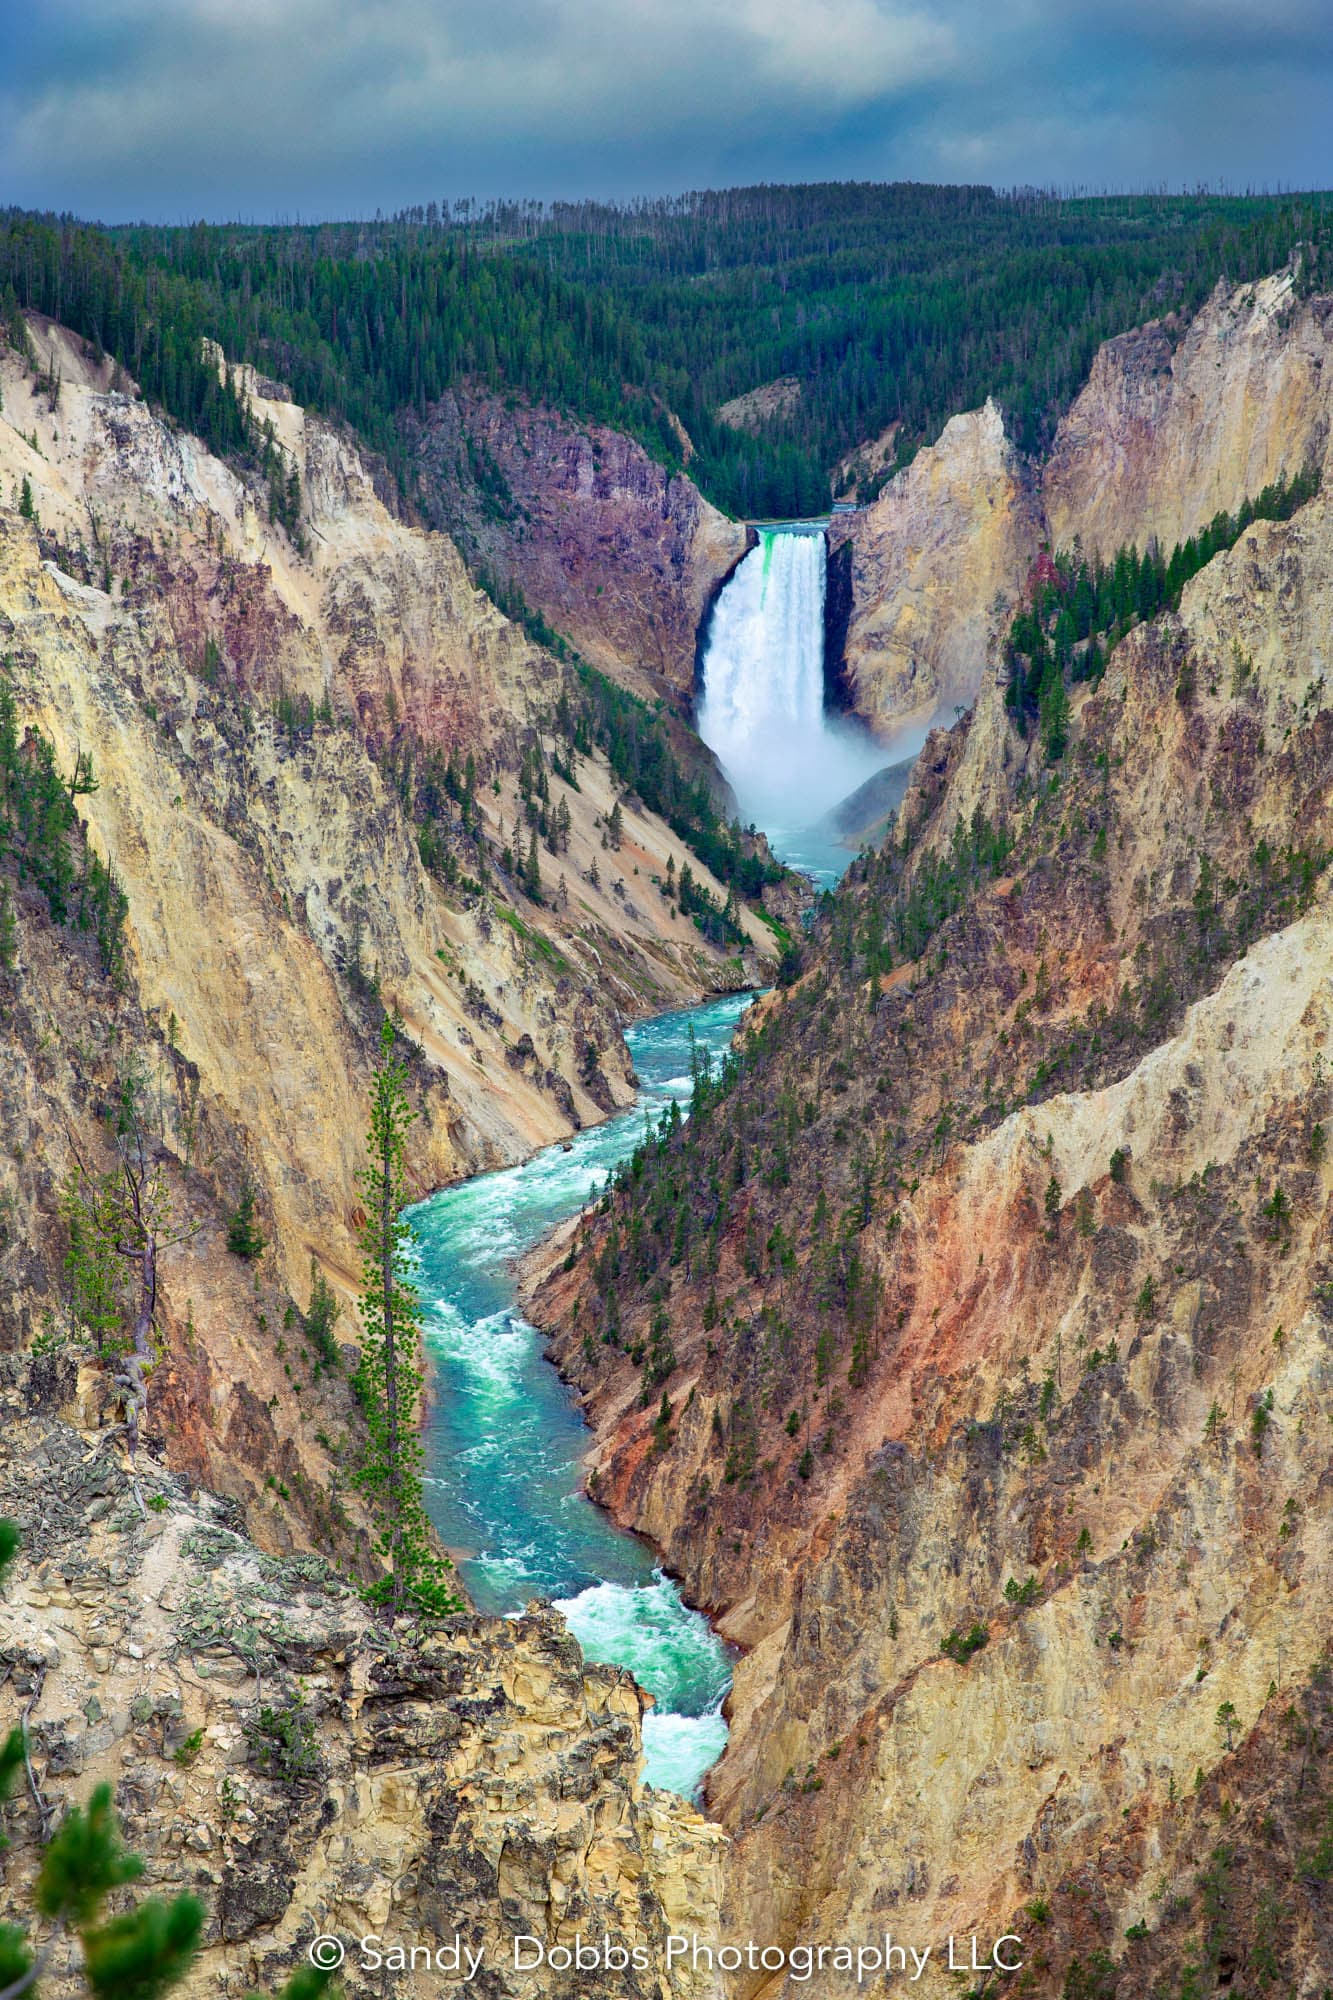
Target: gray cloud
173	108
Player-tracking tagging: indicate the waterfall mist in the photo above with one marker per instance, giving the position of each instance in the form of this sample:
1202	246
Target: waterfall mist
762	707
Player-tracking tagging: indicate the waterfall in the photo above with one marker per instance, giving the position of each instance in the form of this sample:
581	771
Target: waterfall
762	706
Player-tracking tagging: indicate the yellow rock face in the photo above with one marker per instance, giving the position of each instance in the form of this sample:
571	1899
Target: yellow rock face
935	566
1104	1364
960	1791
256	858
1174	425
1171	430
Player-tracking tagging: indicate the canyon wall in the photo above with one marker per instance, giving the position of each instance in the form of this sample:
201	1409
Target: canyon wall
967	1354
1177	423
935	568
236	709
157	621
1001	1338
619	555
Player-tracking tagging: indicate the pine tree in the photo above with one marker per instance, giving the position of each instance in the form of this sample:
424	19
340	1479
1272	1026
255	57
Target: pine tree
388	1377
8	931
563	825
27	511
320	1318
532	873
243	1236
126	1214
1054	710
89	1205
615	825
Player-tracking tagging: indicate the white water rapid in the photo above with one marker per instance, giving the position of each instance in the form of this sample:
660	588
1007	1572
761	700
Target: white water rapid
762	706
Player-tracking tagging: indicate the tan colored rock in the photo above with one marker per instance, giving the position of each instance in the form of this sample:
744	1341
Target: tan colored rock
1174	427
1173	1522
477	1784
761	406
256	860
261	862
1256	620
922	582
961	1790
865	463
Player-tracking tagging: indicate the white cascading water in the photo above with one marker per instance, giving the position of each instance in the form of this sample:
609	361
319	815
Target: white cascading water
762	706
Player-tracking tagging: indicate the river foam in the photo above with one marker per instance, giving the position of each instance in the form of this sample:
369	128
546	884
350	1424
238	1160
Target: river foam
505	1441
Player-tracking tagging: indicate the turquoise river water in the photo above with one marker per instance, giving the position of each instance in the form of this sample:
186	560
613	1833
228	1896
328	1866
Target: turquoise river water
505	1440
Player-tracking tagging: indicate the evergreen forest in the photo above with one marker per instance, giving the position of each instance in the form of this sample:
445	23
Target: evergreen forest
889	305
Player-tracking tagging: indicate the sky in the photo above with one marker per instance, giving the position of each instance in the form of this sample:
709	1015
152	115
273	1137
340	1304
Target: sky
269	109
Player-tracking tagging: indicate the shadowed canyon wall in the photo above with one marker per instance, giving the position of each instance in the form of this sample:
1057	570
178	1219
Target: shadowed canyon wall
618	554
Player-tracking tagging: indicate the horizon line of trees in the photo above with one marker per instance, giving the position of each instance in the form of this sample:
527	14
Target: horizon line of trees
891	305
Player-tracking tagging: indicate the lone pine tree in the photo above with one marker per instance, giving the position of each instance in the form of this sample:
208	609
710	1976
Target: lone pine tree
120	1223
388	1377
243	1234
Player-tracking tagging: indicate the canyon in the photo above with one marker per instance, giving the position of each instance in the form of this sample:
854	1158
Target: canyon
248	711
1175	424
158	622
998	1289
966	1354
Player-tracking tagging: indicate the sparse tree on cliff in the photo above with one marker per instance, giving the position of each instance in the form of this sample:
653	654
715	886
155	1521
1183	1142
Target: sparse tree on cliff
90	1208
243	1234
532	872
388	1378
125	1214
1054	711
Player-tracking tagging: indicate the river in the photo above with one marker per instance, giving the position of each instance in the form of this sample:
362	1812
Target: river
505	1439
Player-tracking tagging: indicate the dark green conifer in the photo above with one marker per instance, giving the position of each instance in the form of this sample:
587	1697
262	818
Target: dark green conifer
388	1377
243	1235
